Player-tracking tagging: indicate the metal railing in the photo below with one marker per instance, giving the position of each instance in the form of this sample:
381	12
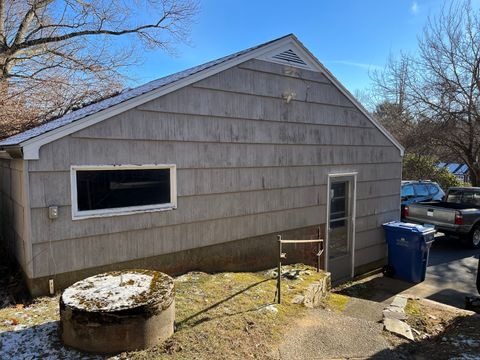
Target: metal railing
282	255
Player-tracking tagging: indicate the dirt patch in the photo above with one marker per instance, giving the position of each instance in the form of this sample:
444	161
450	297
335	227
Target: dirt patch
427	321
441	331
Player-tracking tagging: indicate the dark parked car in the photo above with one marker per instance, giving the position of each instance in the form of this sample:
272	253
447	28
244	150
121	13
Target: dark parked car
414	191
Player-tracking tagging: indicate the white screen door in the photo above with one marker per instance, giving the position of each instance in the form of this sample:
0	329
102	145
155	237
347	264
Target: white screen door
341	225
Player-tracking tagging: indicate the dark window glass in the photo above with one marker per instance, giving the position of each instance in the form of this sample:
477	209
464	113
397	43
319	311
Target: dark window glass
464	197
338	204
471	198
338	189
110	189
454	196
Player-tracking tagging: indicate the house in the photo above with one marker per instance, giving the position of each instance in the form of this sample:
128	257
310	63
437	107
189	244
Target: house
200	170
461	171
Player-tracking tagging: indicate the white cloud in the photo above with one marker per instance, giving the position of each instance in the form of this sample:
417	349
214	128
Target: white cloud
414	8
355	64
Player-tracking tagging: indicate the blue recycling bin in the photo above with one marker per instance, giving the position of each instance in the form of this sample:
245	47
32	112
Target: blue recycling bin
408	249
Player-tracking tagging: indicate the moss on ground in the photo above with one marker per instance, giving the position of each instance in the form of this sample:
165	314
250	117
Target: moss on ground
230	315
336	302
417	317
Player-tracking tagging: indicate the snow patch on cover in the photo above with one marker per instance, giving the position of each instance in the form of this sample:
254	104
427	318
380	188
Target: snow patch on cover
109	292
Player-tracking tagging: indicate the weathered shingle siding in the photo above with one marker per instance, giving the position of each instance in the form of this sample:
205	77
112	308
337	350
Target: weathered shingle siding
247	162
13	223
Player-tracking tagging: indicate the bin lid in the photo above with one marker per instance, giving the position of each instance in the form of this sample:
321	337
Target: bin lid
408	226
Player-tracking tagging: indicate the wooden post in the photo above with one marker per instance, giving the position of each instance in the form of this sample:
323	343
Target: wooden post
279	270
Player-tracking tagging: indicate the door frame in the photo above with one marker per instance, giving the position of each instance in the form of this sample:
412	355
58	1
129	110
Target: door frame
353	179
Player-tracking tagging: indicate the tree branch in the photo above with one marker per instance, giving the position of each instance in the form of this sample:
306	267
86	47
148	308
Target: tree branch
27	20
3	38
59	38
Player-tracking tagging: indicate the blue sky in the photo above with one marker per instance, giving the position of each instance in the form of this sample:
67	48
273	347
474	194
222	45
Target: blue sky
350	37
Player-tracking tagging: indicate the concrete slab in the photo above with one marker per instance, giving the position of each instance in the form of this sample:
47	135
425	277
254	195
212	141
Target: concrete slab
328	335
399	301
398	327
364	309
389	314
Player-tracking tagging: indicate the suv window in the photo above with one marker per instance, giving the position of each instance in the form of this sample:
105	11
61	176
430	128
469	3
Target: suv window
433	189
407	191
421	190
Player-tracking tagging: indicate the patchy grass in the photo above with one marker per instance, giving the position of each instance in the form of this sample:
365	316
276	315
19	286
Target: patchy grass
19	316
219	316
230	315
428	321
417	318
336	302
441	332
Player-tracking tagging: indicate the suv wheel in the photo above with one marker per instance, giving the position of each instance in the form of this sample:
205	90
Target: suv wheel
475	237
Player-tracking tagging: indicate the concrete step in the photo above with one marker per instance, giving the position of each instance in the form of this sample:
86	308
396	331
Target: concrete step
365	309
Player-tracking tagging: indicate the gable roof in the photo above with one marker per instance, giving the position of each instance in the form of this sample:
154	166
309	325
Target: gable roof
31	140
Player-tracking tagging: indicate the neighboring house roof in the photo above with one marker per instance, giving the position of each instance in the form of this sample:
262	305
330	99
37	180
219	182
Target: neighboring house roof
452	167
463	169
278	50
455	168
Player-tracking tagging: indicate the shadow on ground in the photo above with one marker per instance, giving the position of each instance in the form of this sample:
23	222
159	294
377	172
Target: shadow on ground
378	288
450	296
460	340
185	321
450	277
446	249
12	286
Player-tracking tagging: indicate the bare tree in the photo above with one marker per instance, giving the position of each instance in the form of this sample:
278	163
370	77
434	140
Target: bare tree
442	84
390	92
62	53
399	123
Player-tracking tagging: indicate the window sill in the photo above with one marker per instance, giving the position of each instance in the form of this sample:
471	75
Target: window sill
83	215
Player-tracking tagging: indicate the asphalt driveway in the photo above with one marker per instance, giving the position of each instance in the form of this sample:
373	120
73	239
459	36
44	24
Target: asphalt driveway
451	273
451	276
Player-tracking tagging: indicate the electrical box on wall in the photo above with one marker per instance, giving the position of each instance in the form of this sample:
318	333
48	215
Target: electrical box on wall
53	212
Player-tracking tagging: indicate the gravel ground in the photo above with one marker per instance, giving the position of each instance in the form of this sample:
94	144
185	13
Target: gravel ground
323	334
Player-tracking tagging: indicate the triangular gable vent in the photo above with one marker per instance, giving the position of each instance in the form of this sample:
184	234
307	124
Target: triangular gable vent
290	57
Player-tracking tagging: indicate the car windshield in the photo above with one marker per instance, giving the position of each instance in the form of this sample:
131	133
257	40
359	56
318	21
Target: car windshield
464	197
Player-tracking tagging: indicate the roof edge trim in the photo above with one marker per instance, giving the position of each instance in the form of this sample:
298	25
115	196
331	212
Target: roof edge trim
348	94
31	147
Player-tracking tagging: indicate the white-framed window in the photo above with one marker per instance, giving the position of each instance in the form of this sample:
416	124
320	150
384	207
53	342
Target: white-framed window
108	190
